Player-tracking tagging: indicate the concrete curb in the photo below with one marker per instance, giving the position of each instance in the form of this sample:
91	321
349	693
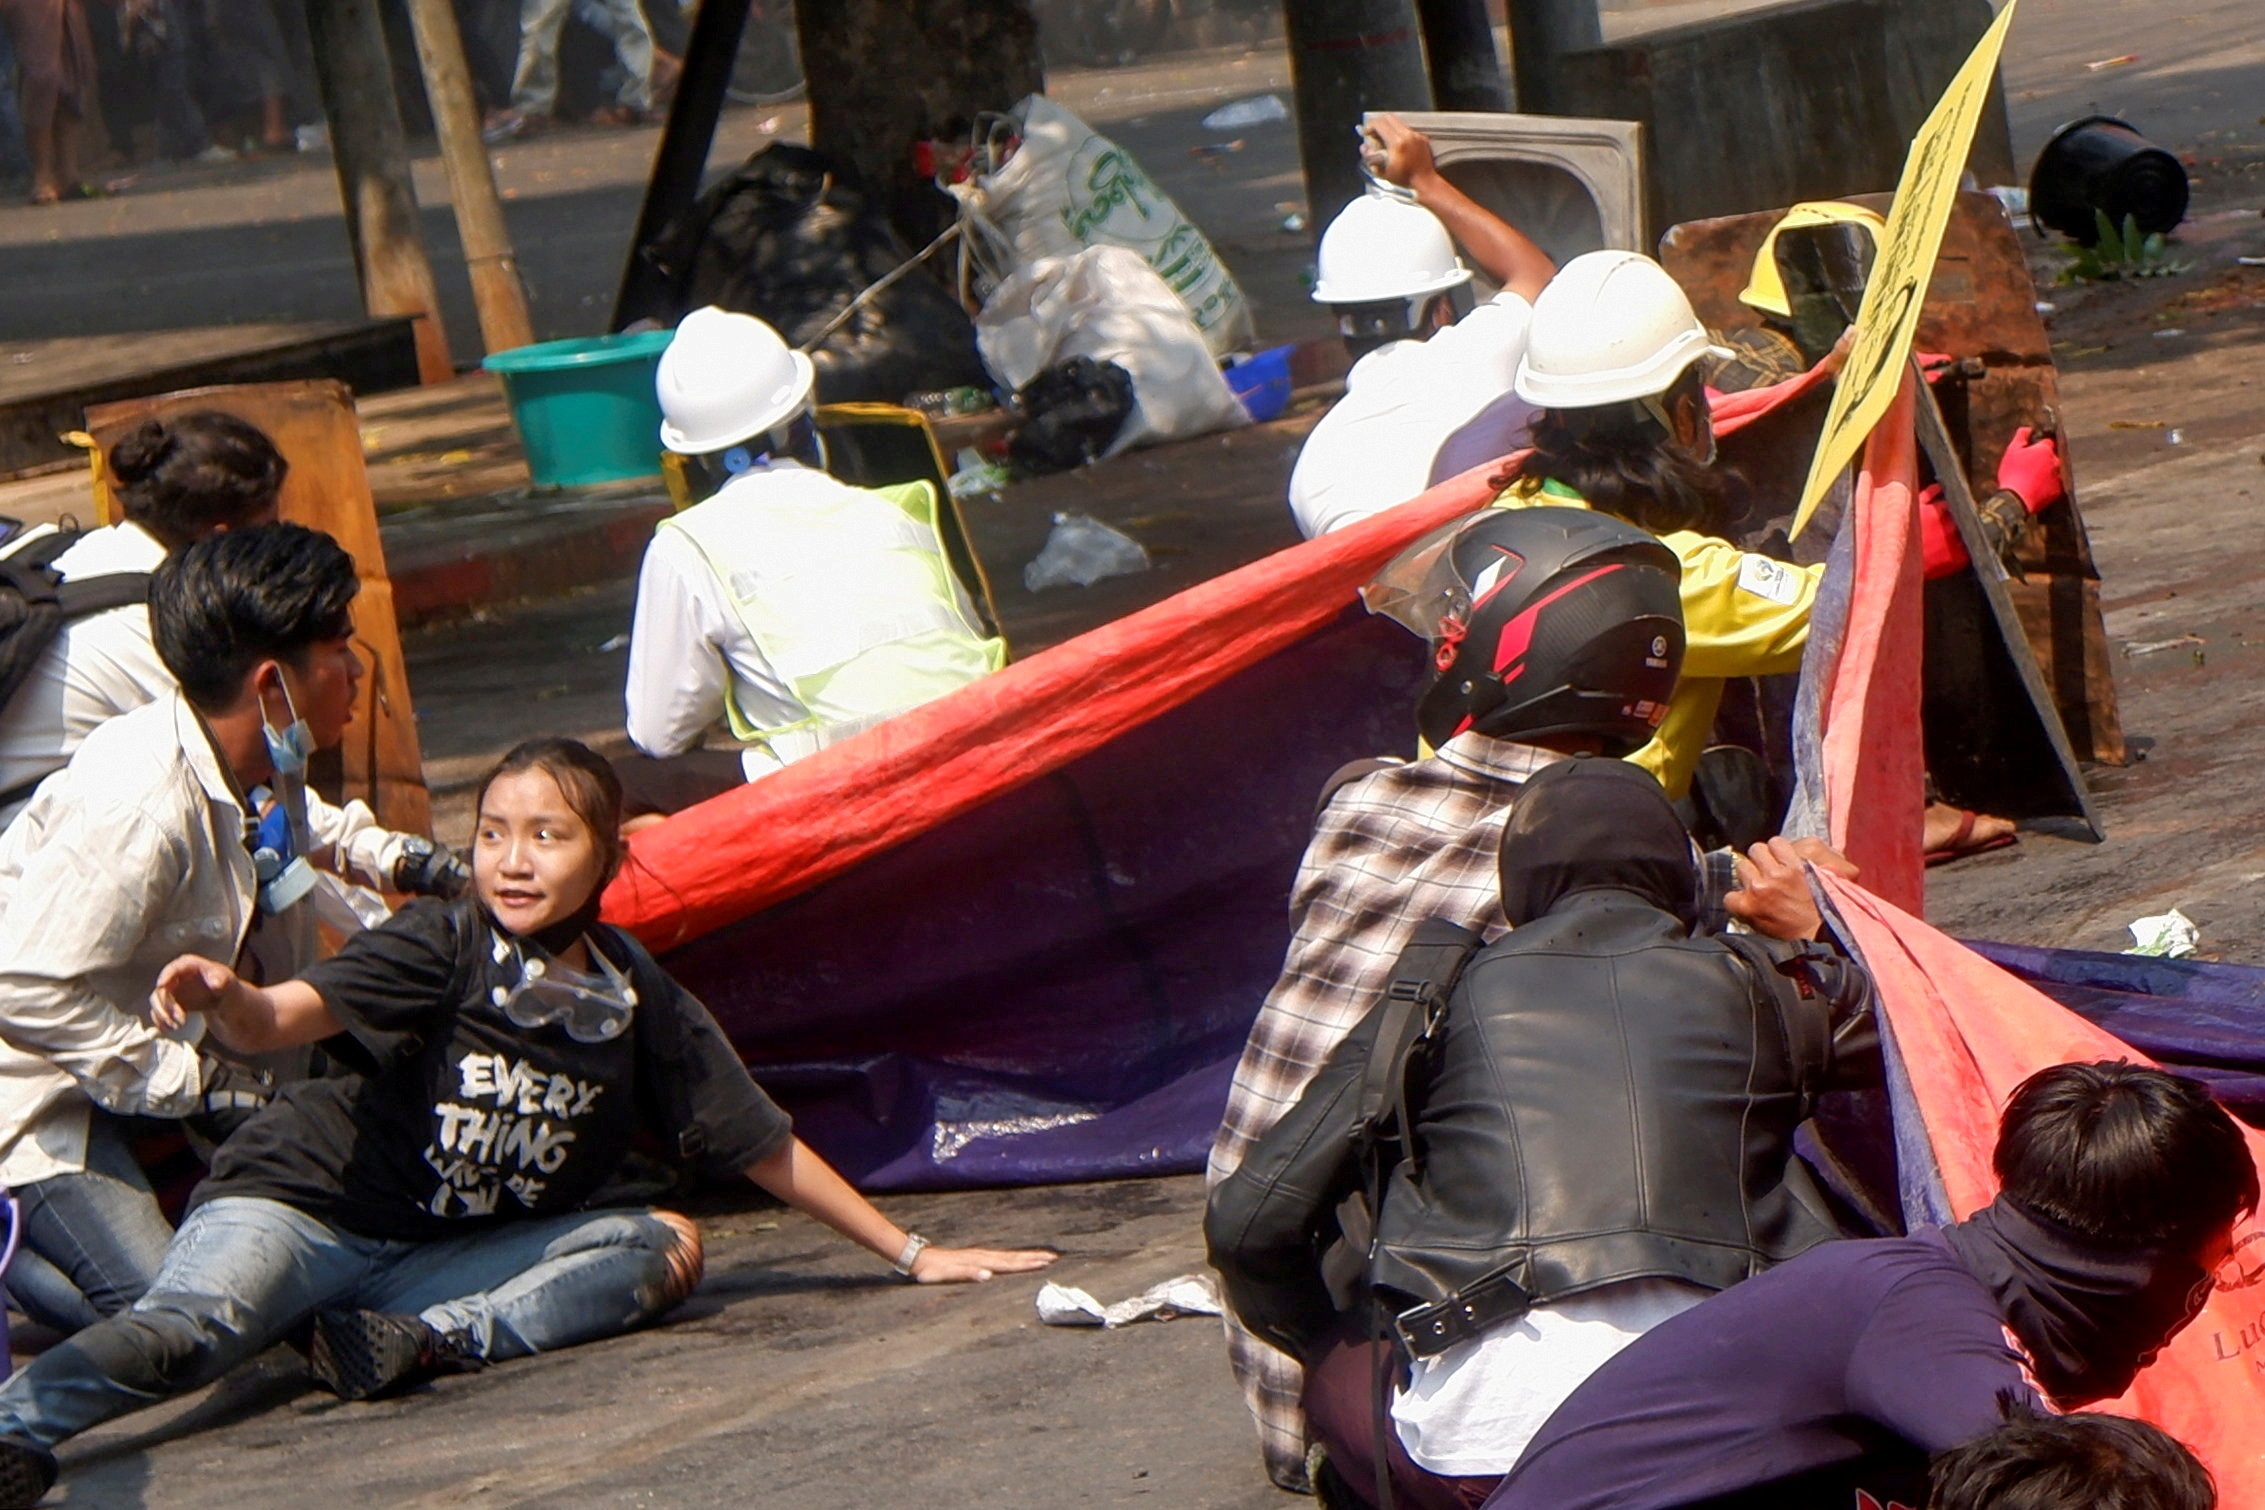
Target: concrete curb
454	562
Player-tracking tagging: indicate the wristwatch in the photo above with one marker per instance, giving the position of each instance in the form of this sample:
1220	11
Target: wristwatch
914	1246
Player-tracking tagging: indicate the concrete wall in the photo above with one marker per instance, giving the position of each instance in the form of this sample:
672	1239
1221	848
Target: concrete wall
1811	101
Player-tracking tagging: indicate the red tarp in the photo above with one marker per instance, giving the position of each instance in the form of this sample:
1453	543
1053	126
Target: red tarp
778	837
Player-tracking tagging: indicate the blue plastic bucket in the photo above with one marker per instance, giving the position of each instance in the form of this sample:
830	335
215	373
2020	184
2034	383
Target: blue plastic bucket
585	409
1262	382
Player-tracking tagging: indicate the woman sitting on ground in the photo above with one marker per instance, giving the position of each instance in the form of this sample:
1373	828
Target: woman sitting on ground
450	1204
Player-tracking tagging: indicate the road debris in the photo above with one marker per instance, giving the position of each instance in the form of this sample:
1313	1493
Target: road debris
1188	1295
2168	935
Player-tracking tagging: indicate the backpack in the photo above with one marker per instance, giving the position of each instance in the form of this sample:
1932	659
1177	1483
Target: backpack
35	604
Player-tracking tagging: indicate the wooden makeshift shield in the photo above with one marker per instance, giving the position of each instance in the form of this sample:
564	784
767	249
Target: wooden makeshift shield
313	424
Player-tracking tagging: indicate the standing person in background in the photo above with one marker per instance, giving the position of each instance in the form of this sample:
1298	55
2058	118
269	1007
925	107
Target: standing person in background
156	39
1429	394
260	71
55	90
534	83
15	158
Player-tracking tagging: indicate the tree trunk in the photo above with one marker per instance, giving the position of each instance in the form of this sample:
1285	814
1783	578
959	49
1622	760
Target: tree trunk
884	74
1348	57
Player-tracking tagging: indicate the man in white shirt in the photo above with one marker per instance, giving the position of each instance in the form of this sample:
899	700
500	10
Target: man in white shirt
1429	394
138	851
791	607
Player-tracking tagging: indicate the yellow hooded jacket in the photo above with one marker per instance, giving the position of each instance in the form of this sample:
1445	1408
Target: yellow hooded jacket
1743	615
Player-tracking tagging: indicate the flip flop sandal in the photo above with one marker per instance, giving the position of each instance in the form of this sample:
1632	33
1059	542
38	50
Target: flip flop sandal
1964	845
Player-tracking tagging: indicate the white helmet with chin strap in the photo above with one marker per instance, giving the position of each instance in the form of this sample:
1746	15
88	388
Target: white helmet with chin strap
1386	249
727	379
1611	328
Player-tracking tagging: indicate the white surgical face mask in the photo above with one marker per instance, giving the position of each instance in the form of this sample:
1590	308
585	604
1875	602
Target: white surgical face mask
593	1007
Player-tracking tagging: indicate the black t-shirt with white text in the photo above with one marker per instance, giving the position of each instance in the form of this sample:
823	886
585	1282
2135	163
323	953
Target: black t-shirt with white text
453	1117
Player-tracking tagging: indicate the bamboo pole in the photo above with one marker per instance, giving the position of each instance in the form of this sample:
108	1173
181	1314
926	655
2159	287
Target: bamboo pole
497	292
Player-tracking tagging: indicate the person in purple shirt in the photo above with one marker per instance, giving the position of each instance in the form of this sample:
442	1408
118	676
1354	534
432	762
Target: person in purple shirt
1842	1371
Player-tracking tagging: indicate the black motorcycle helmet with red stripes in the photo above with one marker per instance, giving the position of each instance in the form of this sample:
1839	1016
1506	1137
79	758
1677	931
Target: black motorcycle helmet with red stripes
1551	626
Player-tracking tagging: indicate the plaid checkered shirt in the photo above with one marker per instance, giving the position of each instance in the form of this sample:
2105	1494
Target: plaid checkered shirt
1391	849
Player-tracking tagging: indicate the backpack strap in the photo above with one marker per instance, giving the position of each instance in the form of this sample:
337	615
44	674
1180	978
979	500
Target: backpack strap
82	597
1422	979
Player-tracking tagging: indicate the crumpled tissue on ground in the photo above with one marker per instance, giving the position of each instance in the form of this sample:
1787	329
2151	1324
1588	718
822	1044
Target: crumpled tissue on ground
2169	935
1188	1295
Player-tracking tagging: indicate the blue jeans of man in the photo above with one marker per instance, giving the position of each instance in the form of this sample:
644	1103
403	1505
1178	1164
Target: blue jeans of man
92	1241
244	1272
534	83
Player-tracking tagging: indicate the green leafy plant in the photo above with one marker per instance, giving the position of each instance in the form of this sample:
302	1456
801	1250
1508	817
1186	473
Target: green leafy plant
2121	253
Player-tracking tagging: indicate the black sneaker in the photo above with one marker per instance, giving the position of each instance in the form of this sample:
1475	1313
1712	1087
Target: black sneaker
365	1355
27	1472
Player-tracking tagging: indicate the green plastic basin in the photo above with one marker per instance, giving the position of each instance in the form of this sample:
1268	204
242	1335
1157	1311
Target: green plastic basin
585	408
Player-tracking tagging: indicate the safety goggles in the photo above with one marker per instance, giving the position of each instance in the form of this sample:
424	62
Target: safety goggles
593	1007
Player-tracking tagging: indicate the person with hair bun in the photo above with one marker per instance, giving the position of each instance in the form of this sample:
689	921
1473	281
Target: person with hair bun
455	1197
176	481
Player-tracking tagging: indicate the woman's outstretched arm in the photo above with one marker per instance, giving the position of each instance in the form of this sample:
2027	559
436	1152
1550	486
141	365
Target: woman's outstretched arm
797	1176
247	1018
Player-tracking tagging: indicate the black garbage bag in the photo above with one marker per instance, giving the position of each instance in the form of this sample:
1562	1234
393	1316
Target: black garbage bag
790	238
1072	410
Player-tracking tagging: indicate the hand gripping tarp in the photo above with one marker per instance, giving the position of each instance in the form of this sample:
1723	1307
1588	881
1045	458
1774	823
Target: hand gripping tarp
1963	1032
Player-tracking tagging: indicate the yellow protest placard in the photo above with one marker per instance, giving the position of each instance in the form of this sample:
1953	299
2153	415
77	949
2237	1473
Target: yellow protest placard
1897	289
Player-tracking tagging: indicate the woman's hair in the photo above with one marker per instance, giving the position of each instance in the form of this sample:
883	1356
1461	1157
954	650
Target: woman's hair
1621	460
183	478
585	779
2125	1154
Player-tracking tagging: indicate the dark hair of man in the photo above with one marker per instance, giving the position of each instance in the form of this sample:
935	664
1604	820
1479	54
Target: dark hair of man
221	605
184	477
585	779
2124	1154
2074	1462
1622	462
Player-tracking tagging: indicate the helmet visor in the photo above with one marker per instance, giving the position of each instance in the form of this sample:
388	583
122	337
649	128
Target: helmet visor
1421	589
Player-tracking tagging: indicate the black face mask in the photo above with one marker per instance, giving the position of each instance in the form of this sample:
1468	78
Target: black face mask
2091	1314
1591	824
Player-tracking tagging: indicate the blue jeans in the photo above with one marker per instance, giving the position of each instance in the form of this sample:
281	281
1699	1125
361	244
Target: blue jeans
92	1241
243	1272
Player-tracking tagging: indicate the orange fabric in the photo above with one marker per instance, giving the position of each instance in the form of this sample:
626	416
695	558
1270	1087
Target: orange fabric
1875	766
750	848
1968	1033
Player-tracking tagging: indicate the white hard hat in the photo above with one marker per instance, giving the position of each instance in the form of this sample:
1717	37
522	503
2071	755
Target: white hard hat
1382	248
727	378
1610	328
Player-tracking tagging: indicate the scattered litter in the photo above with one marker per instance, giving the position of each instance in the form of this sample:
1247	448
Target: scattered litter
767	124
1293	221
1211	152
20	358
1083	551
2149	647
2138	424
1259	110
2251	261
2176	437
315	138
976	474
618	642
1189	1295
2169	935
2165	335
2046	306
2117	62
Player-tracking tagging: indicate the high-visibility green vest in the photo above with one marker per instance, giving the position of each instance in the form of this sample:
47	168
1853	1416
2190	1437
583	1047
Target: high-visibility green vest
848	594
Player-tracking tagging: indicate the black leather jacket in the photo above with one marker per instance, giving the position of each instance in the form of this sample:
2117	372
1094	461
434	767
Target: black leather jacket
1606	1098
